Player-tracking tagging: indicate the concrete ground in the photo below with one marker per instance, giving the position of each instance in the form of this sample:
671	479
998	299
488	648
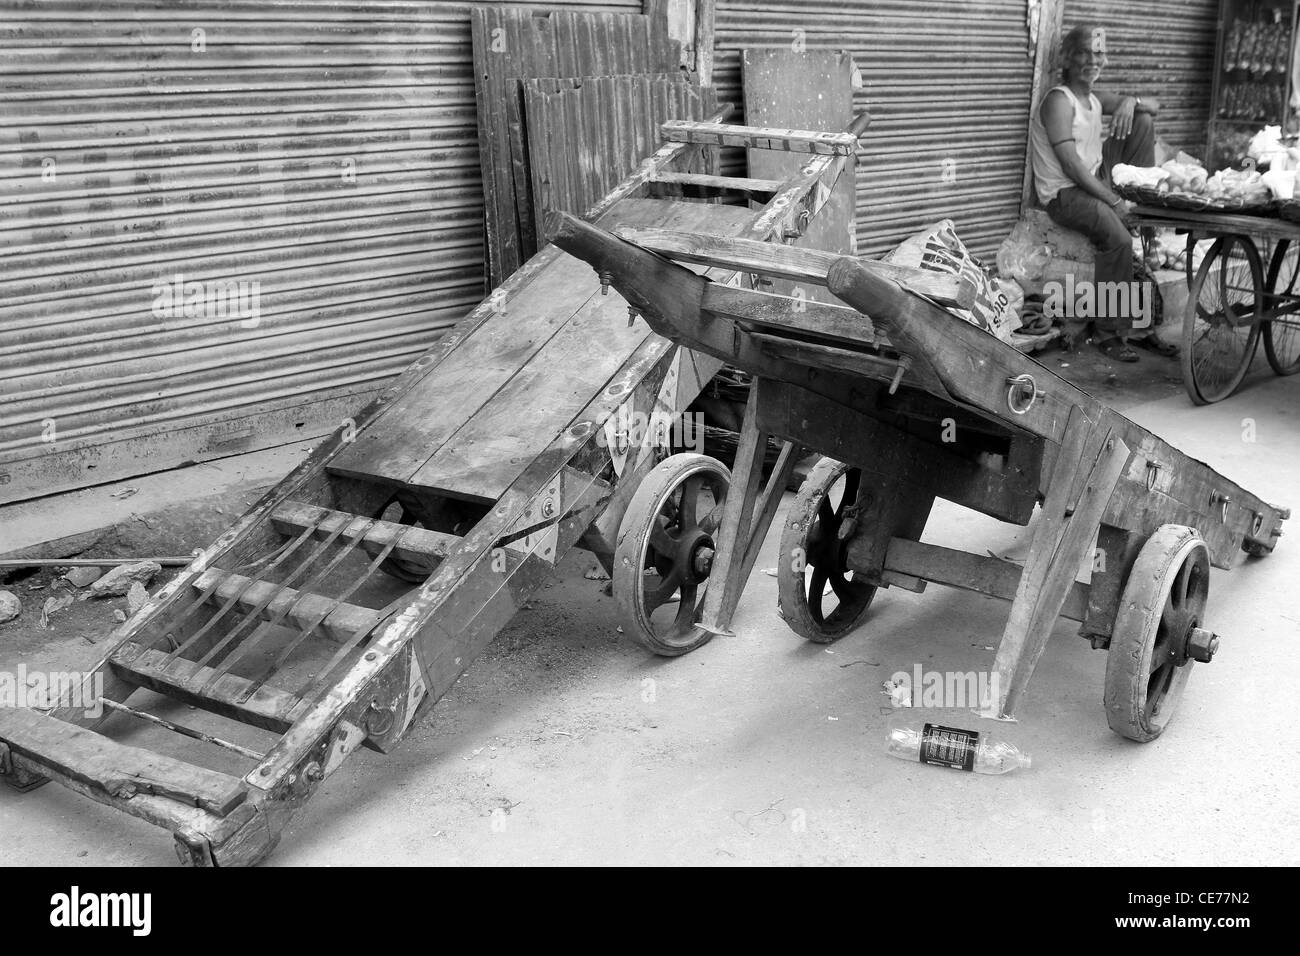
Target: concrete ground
566	743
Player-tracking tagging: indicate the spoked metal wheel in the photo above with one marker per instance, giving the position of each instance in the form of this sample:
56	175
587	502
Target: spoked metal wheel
1221	327
813	557
1158	633
1282	334
665	551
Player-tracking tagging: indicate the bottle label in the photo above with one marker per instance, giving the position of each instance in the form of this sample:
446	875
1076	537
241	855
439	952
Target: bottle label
949	747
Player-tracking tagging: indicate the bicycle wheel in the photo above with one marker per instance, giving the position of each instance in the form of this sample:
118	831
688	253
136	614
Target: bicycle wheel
1221	326
1282	335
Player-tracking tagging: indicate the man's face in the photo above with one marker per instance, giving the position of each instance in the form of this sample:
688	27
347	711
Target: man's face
1088	61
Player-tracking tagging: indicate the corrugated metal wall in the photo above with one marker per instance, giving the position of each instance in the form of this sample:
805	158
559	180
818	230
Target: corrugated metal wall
948	83
326	151
1164	48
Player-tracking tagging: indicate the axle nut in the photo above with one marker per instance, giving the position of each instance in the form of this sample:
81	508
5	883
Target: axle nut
1202	645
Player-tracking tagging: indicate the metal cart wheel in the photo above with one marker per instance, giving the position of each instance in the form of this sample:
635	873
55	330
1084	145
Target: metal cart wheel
813	555
1221	327
1282	335
1158	633
665	551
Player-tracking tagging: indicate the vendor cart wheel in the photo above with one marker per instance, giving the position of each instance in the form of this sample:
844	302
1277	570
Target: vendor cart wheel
1221	326
1151	648
813	556
1282	335
665	551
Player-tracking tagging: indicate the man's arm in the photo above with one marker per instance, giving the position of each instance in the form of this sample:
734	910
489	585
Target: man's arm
1122	109
1057	115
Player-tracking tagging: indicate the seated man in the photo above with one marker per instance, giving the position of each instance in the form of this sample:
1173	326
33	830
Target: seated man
1072	171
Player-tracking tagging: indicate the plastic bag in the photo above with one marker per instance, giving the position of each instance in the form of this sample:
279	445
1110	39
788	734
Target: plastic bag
938	249
1023	256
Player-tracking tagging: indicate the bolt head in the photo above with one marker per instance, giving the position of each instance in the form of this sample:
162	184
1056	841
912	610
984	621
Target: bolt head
1202	645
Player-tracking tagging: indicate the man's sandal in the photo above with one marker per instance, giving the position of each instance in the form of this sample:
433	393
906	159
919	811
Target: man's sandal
1153	344
1117	349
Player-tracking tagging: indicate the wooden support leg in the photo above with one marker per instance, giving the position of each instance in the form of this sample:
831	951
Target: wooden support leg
1085	473
746	517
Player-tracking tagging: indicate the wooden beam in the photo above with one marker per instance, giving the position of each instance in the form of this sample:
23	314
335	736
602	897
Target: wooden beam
705	26
413	544
1089	465
115	770
1046	50
972	572
736	183
230	696
760	137
295	608
788	262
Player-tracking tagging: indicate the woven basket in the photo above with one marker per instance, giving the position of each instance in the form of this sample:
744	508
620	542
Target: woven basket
1149	196
1288	209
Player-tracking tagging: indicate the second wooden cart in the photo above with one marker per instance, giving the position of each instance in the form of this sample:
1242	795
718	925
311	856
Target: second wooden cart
1233	301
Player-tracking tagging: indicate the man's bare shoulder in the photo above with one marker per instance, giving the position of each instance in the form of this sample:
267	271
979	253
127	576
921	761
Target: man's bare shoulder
1056	103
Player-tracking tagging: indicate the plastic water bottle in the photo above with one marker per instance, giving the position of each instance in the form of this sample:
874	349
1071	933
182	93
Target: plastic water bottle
955	748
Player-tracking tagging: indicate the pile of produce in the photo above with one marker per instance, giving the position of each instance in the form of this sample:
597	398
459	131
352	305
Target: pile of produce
1184	178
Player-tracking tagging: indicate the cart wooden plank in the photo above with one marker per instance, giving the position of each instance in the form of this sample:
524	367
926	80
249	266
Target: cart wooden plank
494	445
116	770
474	376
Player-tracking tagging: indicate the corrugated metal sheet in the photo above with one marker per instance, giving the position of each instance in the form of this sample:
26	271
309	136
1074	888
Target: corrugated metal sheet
1160	47
326	151
948	83
576	156
512	46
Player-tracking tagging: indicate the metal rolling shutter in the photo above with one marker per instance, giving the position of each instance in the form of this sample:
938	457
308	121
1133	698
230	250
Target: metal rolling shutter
1164	48
233	162
947	83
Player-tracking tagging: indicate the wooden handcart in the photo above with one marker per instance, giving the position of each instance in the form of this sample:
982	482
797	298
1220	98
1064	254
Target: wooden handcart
910	404
1233	300
470	476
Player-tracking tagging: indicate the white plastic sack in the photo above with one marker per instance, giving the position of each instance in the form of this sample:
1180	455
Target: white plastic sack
938	249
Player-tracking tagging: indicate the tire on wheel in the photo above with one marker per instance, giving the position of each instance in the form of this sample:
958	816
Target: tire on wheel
664	551
1147	665
1220	327
812	557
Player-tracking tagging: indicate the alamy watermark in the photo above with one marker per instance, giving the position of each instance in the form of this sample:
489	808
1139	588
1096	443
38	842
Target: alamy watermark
42	690
1099	300
976	690
628	429
212	299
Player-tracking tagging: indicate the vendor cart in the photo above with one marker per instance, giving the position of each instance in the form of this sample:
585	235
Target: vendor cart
1233	301
223	705
911	403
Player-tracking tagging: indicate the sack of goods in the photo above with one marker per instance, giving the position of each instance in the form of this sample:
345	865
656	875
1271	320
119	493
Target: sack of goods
938	249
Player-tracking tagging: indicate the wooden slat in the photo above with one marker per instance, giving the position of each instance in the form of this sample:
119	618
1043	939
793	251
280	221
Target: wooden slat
759	137
265	707
298	607
484	455
116	770
787	262
785	314
413	544
982	574
738	183
1089	465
